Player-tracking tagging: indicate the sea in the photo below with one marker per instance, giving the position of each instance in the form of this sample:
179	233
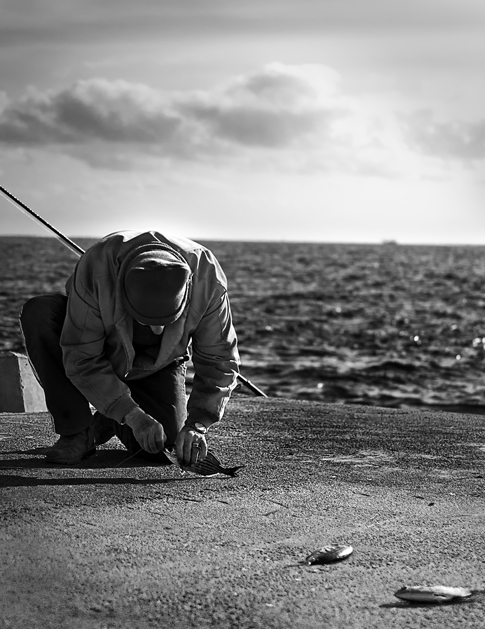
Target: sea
389	324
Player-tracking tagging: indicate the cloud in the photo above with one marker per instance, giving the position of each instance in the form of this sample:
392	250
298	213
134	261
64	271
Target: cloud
89	110
274	108
282	117
456	139
68	21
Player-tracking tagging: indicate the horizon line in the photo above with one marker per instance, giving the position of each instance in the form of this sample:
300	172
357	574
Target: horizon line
387	242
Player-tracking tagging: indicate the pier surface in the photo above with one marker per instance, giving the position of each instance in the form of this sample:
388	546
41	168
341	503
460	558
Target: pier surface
116	543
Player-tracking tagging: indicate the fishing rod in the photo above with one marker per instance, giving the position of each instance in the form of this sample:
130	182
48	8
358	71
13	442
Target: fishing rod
79	252
47	226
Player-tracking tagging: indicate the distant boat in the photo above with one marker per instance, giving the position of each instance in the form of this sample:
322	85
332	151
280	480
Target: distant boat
391	243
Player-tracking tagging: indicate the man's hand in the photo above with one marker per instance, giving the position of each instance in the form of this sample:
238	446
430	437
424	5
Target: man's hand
190	447
147	431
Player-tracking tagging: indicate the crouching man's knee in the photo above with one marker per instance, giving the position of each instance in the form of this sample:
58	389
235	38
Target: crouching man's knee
43	315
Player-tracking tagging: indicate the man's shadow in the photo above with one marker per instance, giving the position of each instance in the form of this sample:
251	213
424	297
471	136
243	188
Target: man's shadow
106	459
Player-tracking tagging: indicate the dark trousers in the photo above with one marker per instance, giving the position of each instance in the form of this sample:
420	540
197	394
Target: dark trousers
162	394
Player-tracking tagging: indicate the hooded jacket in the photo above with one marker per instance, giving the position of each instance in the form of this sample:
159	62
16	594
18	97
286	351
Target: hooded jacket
96	339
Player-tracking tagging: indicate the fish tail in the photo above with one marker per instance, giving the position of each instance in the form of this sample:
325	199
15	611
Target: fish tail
232	471
211	466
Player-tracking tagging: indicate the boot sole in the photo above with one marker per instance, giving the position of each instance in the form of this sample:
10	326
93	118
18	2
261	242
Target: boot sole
75	461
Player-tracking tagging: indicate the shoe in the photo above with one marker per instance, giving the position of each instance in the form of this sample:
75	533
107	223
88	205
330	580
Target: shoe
71	449
104	428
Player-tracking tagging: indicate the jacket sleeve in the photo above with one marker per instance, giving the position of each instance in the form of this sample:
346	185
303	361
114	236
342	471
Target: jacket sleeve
216	362
82	341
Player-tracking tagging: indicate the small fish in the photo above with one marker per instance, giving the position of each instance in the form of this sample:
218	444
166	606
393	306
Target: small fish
328	554
210	466
431	593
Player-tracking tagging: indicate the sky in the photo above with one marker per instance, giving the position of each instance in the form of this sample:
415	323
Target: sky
308	120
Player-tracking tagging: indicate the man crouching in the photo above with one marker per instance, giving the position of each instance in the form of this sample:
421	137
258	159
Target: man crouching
119	340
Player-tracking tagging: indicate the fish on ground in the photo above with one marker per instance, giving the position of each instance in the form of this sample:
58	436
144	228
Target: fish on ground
329	554
432	594
210	466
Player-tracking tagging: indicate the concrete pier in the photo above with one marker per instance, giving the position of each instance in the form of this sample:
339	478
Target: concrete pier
117	543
